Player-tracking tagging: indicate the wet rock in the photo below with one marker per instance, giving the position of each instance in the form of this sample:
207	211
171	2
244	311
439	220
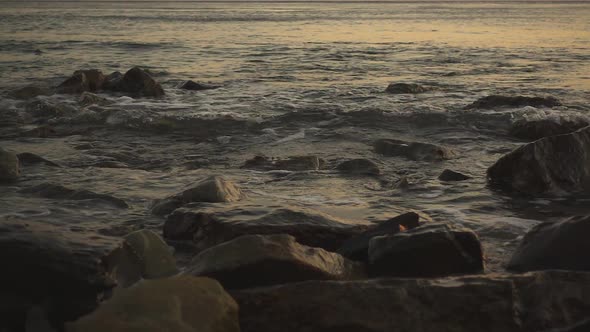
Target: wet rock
431	250
554	245
293	163
215	189
9	166
112	81
88	98
552	165
513	303
176	304
195	86
495	101
534	130
210	227
46	109
359	167
357	248
405	88
137	83
54	191
27	158
262	260
449	175
44	131
81	81
30	91
413	150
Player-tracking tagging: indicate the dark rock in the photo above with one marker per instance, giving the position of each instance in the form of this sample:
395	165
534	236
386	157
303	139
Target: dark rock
552	165
94	78
449	175
9	166
88	98
30	91
357	248
53	191
194	86
210	227
138	83
559	245
431	250
215	189
508	303
494	101
262	260
405	88
27	158
359	167
293	163
534	130
81	81
112	81
176	304
413	150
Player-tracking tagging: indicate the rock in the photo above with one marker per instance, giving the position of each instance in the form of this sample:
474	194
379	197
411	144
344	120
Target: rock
413	150
534	130
208	227
495	101
449	175
552	165
112	81
88	98
176	304
153	253
405	88
194	86
30	91
359	167
50	266
262	260
293	163
27	158
9	166
137	83
214	189
54	191
492	303
357	248
81	81
94	77
554	246
44	131
431	250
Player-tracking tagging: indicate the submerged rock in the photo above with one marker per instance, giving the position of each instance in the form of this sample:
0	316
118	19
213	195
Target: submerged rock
177	304
30	91
54	191
262	260
293	163
207	228
494	101
9	166
509	303
552	165
413	150
405	88
137	83
449	175
357	247
431	250
215	189
534	130
554	245
195	86
359	167
27	158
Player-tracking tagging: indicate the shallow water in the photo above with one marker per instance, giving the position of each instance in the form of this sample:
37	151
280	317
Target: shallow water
296	79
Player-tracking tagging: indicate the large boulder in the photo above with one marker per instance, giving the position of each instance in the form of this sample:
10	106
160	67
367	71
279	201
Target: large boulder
357	247
137	83
552	165
54	191
554	245
358	167
82	81
214	189
210	227
536	129
9	166
405	88
495	101
176	304
413	150
262	260
431	250
509	303
293	163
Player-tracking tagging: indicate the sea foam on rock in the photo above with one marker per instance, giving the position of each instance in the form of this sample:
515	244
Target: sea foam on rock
552	165
262	260
413	150
9	166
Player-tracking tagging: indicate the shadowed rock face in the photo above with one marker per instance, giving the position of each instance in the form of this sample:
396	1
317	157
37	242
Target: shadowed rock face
177	304
405	88
48	190
533	130
413	150
530	302
262	260
428	251
81	81
552	165
9	166
494	101
560	245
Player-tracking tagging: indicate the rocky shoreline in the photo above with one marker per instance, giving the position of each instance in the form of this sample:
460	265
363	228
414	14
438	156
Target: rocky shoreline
219	265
